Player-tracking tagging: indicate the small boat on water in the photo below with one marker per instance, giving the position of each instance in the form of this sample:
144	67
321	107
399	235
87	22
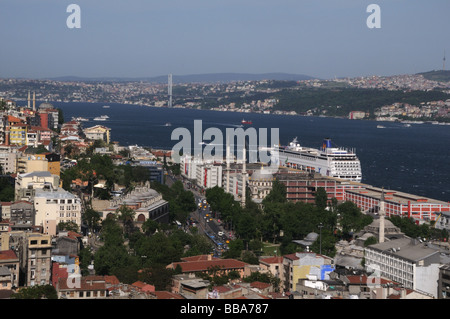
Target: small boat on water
101	118
106	106
80	119
246	122
167	124
381	126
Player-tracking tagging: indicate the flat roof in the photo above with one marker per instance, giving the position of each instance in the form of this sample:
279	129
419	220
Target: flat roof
405	248
395	196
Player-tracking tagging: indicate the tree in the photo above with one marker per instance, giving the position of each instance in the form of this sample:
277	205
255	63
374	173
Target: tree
68	226
36	292
92	218
351	217
113	254
277	194
321	198
126	215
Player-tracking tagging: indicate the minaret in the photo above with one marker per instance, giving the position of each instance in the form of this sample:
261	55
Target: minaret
382	213
29	105
34	101
244	176
228	167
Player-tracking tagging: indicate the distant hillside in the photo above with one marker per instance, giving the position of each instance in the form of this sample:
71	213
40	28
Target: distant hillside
440	75
196	78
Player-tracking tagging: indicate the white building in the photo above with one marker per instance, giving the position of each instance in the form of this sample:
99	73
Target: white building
55	206
188	166
209	175
406	261
8	158
28	183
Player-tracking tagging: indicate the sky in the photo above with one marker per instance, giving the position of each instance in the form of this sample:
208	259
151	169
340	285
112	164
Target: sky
146	38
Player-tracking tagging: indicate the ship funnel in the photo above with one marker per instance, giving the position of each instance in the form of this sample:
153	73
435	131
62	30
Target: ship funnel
326	143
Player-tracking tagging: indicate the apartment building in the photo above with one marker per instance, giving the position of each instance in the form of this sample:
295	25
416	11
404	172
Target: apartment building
8	158
29	163
304	265
38	261
54	206
209	175
28	183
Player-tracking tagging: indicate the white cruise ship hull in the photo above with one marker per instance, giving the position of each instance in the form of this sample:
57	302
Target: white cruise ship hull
328	161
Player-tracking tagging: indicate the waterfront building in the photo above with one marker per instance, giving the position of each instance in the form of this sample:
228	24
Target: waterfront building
98	132
397	203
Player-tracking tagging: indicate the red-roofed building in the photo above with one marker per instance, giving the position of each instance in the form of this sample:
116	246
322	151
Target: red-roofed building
221	265
90	287
263	287
9	272
143	287
165	295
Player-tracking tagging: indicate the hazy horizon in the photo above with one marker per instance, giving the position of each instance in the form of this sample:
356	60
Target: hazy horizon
142	39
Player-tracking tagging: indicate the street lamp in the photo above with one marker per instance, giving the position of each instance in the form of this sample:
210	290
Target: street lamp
320	238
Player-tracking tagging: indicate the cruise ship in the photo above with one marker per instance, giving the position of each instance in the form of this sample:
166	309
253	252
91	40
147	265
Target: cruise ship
328	160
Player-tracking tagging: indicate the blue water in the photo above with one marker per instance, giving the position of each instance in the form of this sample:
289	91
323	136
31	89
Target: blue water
414	159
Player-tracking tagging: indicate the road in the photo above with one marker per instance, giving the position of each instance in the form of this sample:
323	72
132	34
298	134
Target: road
203	218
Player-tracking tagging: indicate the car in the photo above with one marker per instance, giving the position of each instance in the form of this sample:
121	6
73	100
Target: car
220	233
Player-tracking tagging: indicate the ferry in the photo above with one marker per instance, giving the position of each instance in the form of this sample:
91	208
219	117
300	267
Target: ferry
328	160
101	118
246	122
80	119
106	106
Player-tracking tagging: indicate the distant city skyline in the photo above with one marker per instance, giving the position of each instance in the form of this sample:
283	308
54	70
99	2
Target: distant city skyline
141	38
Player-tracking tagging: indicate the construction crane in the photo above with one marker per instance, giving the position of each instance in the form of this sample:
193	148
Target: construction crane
435	222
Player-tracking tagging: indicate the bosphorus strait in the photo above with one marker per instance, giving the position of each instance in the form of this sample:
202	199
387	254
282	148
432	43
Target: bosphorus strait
411	159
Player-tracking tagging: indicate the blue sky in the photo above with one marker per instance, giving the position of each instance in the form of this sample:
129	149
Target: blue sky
139	38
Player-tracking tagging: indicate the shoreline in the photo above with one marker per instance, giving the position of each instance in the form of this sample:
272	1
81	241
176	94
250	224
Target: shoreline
285	113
